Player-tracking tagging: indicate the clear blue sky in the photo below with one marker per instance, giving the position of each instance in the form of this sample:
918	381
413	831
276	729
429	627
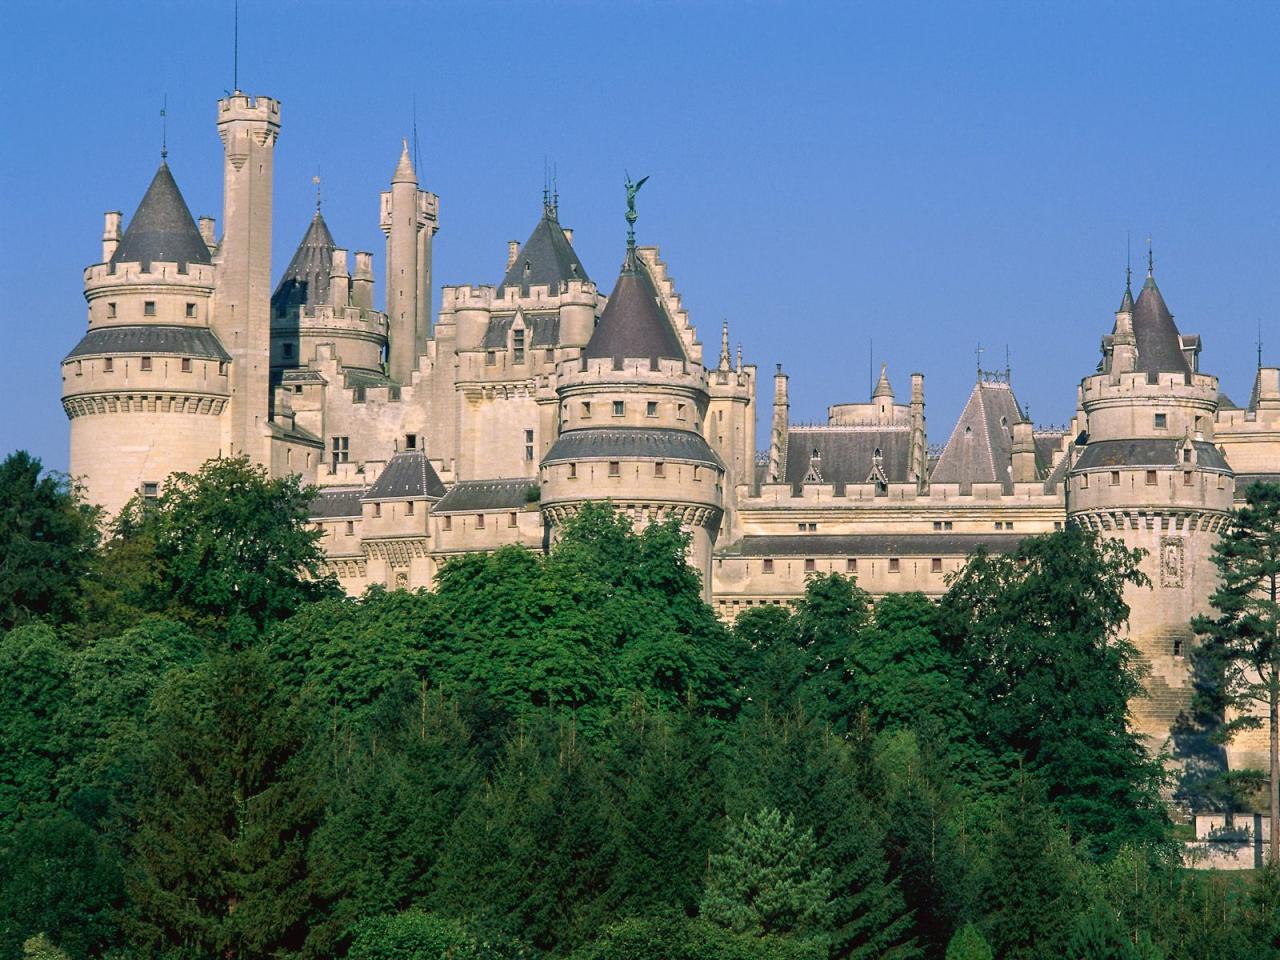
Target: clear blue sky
928	175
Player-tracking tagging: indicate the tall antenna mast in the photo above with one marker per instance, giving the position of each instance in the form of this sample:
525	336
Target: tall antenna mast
1259	343
871	365
417	160
235	47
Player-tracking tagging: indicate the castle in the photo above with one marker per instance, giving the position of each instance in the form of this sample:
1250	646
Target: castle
493	422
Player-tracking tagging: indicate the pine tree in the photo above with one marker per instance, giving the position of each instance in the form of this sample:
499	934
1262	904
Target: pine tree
229	803
969	944
766	880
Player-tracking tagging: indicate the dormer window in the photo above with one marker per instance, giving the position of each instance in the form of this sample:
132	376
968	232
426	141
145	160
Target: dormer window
527	270
1186	454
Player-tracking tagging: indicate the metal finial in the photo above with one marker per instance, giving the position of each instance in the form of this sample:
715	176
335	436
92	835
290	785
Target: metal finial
1151	260
978	351
316	181
1008	368
235	50
1128	263
555	188
632	190
1259	343
164	129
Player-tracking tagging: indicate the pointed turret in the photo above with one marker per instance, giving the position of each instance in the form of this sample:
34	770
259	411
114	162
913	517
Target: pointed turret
404	169
1156	336
162	229
546	259
306	280
633	324
1126	302
883	387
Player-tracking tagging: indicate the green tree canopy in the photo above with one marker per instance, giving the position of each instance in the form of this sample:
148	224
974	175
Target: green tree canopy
47	539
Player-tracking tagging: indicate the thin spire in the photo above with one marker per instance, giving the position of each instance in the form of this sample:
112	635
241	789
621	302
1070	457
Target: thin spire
1151	260
724	345
739	356
417	159
164	129
1128	264
404	169
1008	367
977	352
316	180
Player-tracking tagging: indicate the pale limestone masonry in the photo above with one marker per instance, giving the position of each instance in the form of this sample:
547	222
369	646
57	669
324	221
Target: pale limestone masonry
529	397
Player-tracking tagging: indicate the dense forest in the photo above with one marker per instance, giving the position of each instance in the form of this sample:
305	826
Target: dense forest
206	750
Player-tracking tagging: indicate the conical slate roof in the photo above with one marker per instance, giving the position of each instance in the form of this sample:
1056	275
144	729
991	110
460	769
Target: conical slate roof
161	229
633	324
306	279
546	259
1159	346
883	388
980	448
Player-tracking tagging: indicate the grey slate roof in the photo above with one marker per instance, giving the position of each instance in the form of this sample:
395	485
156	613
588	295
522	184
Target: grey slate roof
477	496
633	324
1159	346
150	340
161	229
631	443
306	279
544	331
546	259
847	454
1149	452
336	503
980	448
1226	403
409	476
875	544
1245	480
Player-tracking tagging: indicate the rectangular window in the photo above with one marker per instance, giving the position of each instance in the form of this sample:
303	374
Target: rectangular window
551	355
586	410
1115	478
810	565
150	490
1151	478
146	363
222	368
937	524
1084	481
767	565
528	446
79	368
619	408
517	345
680	415
659	469
800	527
351	528
377	509
573	471
408	508
446	523
148	308
935	565
615	468
111	310
411	441
1186	478
511	519
479	521
697	475
1162	421
287	350
191	309
490	358
1186	455
894	565
851	565
947	525
651	408
186	364
1177	646
339	450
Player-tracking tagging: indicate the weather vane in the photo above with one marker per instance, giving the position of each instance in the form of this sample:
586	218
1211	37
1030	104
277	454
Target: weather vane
632	190
316	181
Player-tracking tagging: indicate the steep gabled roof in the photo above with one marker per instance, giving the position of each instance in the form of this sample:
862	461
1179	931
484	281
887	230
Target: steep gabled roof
546	259
980	448
1159	346
161	229
634	324
849	454
409	476
306	279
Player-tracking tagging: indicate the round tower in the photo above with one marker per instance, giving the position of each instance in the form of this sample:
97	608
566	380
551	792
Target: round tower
147	387
631	414
1151	476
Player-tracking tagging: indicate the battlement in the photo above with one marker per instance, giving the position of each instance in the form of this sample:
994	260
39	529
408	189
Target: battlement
540	297
100	276
241	106
944	496
327	317
578	372
1199	388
